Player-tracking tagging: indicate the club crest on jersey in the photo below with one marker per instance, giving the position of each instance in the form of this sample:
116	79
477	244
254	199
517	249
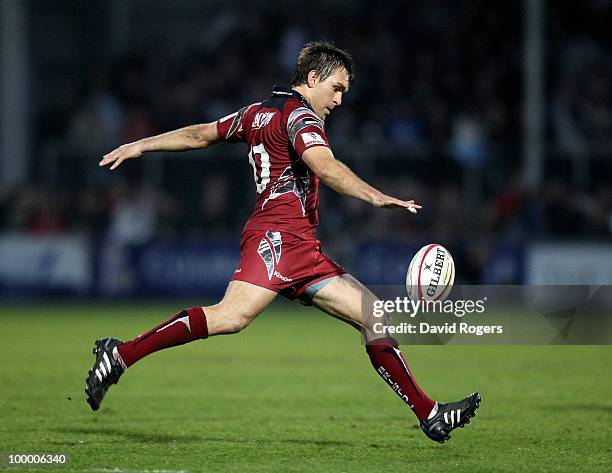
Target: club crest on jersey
270	251
262	119
312	138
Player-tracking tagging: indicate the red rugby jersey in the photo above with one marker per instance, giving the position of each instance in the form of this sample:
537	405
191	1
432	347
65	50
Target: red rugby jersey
277	131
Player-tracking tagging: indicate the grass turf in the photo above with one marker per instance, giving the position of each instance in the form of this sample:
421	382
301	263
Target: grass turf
294	392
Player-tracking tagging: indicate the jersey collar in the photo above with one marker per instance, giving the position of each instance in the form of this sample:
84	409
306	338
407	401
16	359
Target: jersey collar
282	91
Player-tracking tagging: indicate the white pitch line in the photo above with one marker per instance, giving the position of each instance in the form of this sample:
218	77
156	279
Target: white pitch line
128	470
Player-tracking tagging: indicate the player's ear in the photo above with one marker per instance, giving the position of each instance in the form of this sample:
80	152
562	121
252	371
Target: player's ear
312	78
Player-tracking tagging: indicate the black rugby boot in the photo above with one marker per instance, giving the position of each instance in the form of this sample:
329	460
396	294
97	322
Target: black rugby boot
105	371
450	415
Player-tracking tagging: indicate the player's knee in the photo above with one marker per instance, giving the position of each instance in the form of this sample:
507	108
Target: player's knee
237	322
233	325
223	319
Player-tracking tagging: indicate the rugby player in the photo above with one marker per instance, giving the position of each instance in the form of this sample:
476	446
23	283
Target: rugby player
279	251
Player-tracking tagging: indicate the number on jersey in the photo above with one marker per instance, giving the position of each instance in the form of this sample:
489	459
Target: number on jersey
260	160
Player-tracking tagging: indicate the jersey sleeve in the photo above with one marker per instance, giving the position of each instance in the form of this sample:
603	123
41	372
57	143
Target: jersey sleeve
232	127
305	130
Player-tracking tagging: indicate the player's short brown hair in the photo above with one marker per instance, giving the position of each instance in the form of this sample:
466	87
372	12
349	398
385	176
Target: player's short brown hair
323	57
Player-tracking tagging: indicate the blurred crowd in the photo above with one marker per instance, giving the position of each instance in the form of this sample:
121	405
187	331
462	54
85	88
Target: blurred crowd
435	114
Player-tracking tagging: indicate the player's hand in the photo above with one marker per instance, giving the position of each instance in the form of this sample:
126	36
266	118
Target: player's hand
388	202
117	156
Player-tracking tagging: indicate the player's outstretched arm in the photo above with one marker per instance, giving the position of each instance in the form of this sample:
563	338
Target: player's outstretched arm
183	139
340	178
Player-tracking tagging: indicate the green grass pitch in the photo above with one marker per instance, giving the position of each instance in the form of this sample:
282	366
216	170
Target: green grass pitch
294	392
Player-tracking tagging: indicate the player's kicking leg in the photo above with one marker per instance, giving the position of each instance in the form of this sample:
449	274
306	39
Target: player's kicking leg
240	305
342	298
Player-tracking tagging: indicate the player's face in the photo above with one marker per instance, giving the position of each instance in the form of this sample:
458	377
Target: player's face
327	94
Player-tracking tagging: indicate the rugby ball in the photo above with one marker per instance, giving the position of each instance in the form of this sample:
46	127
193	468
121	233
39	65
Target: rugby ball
431	274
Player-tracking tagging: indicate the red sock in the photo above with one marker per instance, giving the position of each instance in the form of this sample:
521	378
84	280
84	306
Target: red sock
181	328
390	364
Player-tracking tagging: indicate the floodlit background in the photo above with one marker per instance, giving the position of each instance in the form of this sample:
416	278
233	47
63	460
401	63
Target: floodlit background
498	120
